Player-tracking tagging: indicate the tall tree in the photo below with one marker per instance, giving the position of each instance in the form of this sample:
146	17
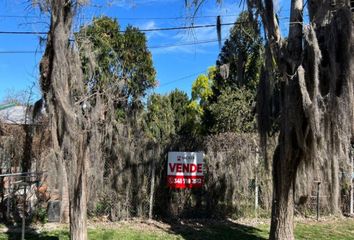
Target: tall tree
159	118
231	107
233	111
118	70
240	59
201	93
180	101
316	95
123	62
314	63
62	86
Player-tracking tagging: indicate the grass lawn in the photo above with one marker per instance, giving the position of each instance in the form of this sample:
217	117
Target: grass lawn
332	229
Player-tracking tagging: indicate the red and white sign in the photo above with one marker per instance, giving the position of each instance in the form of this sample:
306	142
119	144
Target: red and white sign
185	169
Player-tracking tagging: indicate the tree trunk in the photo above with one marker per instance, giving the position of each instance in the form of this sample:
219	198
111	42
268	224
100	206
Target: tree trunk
282	205
27	150
315	64
62	87
285	162
282	226
288	154
78	200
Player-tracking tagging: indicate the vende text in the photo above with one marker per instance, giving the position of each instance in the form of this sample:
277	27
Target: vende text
188	168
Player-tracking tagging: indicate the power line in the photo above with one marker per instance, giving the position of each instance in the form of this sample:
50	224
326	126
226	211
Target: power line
20	16
151	47
137	18
186	27
181	78
141	30
187	43
22	33
20	52
172	18
129	18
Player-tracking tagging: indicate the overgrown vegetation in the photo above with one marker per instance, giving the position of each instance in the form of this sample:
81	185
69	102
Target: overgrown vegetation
110	136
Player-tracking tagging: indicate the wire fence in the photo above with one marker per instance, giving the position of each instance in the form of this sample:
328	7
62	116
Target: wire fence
131	181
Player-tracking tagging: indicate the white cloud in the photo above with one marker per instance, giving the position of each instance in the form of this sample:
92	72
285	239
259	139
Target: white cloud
187	49
227	10
196	35
135	3
151	25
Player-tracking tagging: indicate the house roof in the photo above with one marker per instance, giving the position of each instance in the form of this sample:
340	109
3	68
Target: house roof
12	114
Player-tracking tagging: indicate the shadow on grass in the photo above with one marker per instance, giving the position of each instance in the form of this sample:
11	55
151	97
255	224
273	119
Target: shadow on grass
14	233
210	229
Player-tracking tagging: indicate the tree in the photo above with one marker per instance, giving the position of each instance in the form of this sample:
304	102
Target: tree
159	118
233	111
201	87
122	62
180	101
239	62
231	106
62	87
118	73
201	92
316	96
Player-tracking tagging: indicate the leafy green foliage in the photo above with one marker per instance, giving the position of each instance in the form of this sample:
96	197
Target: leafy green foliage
40	215
233	112
242	54
137	63
201	88
179	101
231	106
173	114
201	92
116	60
159	118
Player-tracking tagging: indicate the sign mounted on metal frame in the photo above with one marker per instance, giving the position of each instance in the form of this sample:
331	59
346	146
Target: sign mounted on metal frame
185	169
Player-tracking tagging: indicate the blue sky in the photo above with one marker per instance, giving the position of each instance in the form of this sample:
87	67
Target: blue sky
176	67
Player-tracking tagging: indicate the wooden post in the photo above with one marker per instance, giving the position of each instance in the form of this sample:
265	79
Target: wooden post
256	185
152	186
351	182
318	200
9	195
24	213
